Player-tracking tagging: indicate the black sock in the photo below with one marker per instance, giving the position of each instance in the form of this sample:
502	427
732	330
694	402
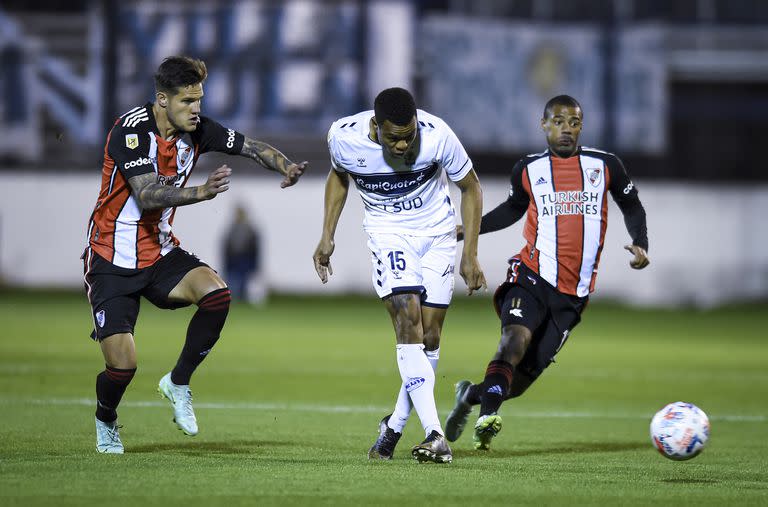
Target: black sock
110	386
203	332
474	394
498	378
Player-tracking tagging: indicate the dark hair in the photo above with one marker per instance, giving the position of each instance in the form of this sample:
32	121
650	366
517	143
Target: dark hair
396	105
560	100
179	71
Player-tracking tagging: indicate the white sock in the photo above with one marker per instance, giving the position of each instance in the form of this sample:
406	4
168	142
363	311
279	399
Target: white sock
403	405
433	356
419	380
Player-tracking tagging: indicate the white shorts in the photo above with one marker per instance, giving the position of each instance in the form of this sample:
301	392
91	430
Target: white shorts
422	264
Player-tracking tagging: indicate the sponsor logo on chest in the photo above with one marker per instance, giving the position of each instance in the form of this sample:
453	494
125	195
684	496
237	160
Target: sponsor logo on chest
396	183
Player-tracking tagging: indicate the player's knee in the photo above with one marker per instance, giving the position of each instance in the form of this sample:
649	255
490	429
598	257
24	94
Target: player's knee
122	363
431	339
216	301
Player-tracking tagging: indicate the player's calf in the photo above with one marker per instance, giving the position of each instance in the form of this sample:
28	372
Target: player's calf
202	334
110	387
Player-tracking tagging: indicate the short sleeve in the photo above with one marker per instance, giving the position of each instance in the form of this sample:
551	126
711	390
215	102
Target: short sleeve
212	136
129	149
333	151
456	162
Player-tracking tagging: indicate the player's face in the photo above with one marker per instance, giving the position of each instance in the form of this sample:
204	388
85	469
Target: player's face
397	139
183	107
562	127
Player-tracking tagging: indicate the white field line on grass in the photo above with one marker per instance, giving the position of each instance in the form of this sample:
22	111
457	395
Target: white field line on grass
357	409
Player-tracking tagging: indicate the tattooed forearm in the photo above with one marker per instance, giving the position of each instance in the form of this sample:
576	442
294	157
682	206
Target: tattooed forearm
266	155
152	195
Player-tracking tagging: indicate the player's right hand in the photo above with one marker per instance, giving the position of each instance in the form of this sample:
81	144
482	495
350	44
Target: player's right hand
218	182
472	273
292	174
322	258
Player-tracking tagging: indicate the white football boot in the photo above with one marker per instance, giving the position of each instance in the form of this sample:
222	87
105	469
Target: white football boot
181	400
108	438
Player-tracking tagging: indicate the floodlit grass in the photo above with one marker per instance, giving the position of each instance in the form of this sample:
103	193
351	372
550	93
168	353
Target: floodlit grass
288	404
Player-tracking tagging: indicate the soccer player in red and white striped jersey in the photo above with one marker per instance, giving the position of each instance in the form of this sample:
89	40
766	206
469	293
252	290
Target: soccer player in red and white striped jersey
563	192
148	157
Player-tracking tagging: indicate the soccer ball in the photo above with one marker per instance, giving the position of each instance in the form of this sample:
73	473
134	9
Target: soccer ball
680	430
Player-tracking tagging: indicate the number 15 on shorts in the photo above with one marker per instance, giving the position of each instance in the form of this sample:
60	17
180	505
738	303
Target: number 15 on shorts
396	260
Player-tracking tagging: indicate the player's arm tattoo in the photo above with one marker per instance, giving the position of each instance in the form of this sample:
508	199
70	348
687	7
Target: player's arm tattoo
152	195
266	155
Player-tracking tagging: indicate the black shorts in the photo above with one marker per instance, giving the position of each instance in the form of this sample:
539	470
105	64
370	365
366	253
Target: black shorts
528	300
114	292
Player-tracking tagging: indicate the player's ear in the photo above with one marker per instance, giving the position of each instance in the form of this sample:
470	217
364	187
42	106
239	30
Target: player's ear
162	99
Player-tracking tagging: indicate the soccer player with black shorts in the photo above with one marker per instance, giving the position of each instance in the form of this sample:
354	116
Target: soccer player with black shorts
149	155
564	193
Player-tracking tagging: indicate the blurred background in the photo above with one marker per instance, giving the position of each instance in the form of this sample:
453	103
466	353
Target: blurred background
677	88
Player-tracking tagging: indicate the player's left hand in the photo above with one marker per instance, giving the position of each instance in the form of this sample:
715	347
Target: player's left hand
292	174
641	259
472	274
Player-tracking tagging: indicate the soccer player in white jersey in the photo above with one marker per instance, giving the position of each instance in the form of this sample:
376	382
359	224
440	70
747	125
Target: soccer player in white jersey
400	159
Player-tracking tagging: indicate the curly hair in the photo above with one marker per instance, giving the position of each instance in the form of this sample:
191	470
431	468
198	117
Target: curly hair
396	105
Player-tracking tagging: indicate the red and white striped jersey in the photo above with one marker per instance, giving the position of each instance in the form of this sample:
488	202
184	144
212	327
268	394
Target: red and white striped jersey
119	230
567	213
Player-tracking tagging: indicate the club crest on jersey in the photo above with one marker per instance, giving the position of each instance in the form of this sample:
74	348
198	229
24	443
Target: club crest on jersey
593	175
184	155
100	318
132	141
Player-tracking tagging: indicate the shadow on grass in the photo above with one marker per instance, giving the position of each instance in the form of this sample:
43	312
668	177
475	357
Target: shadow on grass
690	481
564	448
208	448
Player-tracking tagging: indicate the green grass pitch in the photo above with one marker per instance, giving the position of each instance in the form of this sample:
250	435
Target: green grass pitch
288	404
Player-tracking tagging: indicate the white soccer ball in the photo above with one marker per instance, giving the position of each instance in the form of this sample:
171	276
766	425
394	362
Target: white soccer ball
680	430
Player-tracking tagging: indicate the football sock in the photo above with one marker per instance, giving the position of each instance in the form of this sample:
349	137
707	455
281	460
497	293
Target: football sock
419	381
110	386
403	405
203	332
498	378
433	356
474	394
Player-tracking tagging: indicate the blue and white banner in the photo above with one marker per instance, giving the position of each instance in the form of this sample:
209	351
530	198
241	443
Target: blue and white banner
490	80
